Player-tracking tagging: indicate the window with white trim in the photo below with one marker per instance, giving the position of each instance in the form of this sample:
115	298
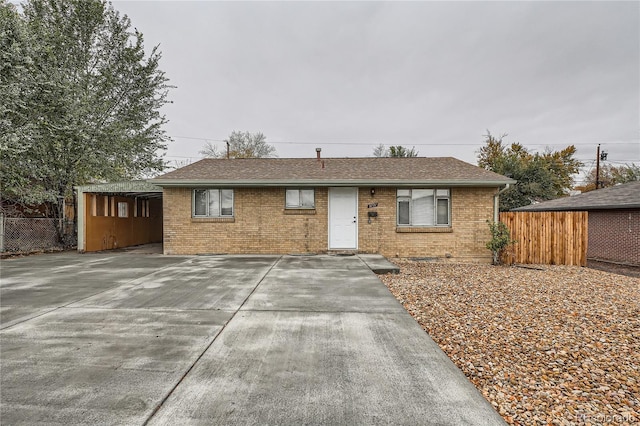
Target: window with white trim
123	209
423	207
300	199
212	203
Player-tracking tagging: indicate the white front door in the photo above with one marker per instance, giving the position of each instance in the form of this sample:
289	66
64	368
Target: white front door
343	218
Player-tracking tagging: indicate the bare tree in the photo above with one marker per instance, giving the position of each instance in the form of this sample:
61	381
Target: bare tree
241	145
394	151
380	151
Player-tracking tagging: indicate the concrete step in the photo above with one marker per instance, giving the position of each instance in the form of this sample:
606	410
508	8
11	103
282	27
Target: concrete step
379	264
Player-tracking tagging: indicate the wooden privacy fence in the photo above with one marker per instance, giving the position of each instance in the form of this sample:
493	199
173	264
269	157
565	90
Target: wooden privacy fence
550	238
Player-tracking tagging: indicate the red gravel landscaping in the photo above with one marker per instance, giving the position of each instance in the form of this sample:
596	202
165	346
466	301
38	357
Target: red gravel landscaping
555	345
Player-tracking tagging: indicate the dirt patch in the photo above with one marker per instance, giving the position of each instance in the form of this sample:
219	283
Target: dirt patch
15	254
553	345
615	268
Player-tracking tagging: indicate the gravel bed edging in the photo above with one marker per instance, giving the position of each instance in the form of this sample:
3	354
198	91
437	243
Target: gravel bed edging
554	346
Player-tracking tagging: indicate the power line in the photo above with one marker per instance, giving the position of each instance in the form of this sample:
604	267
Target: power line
615	161
181	156
584	160
622	141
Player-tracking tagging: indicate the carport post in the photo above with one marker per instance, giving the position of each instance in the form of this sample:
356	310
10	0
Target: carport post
80	212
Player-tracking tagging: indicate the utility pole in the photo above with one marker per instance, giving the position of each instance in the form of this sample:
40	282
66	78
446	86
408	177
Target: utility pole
598	167
599	156
228	149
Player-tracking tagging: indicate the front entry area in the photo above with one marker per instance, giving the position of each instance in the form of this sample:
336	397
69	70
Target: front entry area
343	218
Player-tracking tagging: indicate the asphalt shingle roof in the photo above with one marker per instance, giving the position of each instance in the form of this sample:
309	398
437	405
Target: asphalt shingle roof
625	196
274	171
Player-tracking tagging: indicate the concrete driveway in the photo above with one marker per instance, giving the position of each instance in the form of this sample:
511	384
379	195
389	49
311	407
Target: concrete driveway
125	338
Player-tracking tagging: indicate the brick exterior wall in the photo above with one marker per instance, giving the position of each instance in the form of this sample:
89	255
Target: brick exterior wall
262	225
614	235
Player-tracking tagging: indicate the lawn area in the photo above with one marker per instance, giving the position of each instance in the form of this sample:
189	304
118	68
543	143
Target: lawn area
554	345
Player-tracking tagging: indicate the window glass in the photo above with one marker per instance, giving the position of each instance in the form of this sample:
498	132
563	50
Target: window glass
226	202
200	202
123	209
214	202
293	198
307	198
443	211
422	207
403	212
300	198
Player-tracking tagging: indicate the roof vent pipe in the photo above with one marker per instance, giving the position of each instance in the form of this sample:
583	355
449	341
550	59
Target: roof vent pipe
318	153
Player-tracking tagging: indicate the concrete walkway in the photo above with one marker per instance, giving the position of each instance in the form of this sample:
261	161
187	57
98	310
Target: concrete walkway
136	339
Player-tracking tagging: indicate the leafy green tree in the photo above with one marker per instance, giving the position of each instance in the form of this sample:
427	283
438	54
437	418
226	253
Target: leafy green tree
16	84
394	151
241	145
89	103
624	174
540	176
610	176
401	151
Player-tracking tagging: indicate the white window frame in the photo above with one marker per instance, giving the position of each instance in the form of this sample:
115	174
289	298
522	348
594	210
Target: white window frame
123	209
212	192
300	205
438	194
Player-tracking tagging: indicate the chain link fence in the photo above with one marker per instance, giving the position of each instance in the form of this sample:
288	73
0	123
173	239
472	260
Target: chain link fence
30	234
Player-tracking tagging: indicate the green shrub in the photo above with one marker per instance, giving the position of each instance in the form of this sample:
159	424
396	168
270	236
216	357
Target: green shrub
500	240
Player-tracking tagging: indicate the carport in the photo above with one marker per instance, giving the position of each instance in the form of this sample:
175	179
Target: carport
119	214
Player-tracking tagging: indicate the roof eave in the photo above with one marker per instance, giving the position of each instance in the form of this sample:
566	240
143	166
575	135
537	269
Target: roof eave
578	208
191	183
120	187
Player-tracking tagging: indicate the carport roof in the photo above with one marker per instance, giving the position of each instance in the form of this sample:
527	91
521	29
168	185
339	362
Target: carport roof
624	196
131	188
436	171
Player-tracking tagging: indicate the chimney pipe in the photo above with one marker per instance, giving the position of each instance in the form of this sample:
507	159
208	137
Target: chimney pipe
318	153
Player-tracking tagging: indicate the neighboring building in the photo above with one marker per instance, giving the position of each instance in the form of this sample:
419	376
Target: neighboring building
407	207
614	220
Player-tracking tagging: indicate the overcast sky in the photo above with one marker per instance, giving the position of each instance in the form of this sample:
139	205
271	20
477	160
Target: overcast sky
434	75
